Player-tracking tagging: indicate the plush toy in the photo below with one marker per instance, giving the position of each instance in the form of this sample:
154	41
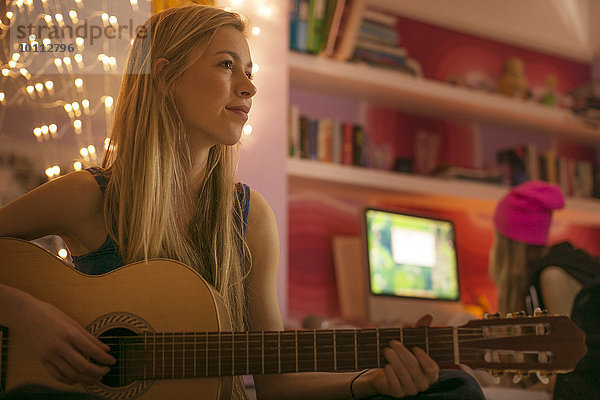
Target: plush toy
513	82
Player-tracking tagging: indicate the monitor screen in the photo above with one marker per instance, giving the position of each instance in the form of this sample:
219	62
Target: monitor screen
411	256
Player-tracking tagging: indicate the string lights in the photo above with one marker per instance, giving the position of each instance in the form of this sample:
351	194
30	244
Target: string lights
61	87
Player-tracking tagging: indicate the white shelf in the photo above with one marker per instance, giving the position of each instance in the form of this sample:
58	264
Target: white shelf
585	211
430	98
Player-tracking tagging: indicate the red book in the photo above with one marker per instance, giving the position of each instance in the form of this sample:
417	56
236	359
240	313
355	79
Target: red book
348	144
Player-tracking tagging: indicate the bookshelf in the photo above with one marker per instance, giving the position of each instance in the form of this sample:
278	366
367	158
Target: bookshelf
430	98
366	183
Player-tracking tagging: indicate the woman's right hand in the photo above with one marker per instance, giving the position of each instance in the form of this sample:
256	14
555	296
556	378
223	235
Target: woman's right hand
61	344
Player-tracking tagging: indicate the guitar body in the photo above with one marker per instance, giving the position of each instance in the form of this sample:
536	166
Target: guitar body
160	296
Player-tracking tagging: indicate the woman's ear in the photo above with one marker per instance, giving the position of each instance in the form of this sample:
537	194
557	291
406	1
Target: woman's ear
157	72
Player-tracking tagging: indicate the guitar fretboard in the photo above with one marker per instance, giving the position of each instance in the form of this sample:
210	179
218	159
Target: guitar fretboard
187	355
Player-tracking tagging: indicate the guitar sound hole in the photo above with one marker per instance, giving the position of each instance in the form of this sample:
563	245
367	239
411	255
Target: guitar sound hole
127	348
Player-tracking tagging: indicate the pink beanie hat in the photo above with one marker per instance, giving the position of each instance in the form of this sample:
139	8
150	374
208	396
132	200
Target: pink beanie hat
524	214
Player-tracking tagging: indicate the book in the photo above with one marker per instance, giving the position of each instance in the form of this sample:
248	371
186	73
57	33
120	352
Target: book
380	18
324	136
294	131
369	45
316	24
337	140
313	140
301	25
348	144
304	139
352	22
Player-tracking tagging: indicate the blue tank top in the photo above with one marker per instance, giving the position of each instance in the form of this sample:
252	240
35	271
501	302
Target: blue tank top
107	257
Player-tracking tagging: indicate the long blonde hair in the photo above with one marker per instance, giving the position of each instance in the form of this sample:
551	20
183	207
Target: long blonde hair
510	267
149	195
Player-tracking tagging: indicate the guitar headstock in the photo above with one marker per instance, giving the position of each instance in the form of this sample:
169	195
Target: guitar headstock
521	345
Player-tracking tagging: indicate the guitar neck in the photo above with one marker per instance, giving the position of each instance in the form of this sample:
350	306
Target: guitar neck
186	355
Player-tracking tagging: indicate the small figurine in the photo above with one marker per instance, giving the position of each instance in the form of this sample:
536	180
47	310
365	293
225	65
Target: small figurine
549	98
513	82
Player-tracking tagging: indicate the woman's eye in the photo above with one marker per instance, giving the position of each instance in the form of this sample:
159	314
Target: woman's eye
228	64
249	75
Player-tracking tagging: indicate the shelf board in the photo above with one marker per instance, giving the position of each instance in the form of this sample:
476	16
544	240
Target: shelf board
431	98
448	192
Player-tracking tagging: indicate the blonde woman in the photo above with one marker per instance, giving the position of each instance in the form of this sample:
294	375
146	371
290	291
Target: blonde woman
166	189
561	279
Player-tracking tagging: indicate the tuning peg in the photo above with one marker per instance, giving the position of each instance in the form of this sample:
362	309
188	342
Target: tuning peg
538	312
543	376
518	377
491	316
515	314
496	374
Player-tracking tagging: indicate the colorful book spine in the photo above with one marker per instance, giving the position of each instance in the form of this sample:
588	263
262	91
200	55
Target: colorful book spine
294	131
350	30
316	23
324	140
301	25
313	140
348	144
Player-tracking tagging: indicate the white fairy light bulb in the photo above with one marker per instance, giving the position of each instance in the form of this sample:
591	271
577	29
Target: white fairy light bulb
106	143
247	129
49	172
30	89
9	14
56	170
112	20
58	63
47	42
32	38
79	60
76	108
39	87
86	106
79	85
105	18
45	131
12	64
5	71
77	166
265	11
68	108
2	97
84	152
53	130
25	73
38	134
91	149
60	20
79	41
16	56
48	19
77	126
49	86
67	62
108	103
254	68
73	16
62	253
256	31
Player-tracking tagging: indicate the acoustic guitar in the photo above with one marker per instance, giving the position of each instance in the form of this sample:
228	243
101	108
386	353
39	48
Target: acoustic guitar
171	337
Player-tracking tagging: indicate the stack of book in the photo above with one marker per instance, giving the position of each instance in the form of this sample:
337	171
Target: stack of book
326	140
377	44
347	30
576	178
586	102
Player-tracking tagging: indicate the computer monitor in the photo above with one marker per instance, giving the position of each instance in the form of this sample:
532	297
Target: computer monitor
412	267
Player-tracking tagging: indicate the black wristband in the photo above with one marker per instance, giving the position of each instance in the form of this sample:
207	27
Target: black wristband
352	383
